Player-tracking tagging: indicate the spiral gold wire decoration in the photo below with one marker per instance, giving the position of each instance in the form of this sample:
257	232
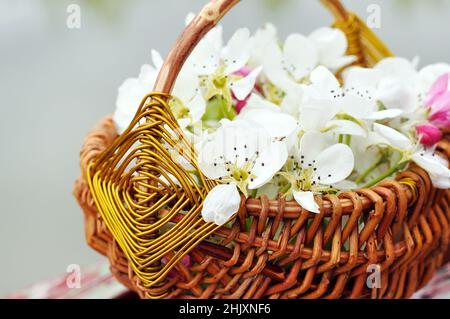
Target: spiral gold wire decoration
141	174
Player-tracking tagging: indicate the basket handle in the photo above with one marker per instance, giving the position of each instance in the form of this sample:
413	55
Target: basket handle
208	17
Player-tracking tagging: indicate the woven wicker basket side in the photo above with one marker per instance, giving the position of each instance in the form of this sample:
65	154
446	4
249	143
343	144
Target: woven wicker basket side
246	271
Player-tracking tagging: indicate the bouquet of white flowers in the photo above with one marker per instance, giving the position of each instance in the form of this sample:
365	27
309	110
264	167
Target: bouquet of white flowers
270	117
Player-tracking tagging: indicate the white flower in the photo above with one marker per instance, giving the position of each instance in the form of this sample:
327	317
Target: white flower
354	98
397	84
263	39
318	166
258	102
219	64
188	103
131	93
436	166
324	99
242	155
222	202
288	66
367	81
332	46
396	87
279	125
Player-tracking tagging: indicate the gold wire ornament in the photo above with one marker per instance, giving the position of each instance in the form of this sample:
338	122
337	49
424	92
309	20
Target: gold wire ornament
137	177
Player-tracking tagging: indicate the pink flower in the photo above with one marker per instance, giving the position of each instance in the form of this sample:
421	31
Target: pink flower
241	104
244	71
186	261
438	101
429	134
440	111
438	89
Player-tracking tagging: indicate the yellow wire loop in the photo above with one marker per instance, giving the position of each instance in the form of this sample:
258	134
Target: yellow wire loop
138	176
362	41
412	185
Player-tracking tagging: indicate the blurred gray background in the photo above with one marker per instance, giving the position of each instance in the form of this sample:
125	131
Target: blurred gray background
56	82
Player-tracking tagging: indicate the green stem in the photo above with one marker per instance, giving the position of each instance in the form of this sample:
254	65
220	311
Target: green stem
369	170
341	139
285	188
390	172
348	139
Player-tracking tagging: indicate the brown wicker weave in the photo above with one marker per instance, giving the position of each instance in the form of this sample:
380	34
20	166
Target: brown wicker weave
405	233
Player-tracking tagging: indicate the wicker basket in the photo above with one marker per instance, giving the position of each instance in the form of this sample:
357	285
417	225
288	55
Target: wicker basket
285	252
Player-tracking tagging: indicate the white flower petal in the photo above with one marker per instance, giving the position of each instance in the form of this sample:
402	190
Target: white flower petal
441	182
292	101
307	201
332	45
221	203
300	56
374	138
263	38
274	69
311	145
324	83
394	137
432	164
236	53
346	127
385	114
157	59
270	161
330	41
277	124
361	77
396	95
359	107
337	63
215	38
197	107
256	102
130	95
147	77
241	139
187	85
316	114
205	57
243	87
397	68
211	159
334	164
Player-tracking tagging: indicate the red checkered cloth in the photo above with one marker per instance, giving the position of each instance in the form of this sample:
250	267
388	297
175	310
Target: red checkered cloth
96	282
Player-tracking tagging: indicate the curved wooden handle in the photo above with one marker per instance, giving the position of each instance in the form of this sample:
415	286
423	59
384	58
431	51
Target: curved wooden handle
208	17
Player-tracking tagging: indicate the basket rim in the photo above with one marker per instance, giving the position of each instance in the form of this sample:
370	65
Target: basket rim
293	209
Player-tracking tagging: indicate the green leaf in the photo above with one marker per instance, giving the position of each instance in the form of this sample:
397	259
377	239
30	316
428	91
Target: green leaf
217	109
